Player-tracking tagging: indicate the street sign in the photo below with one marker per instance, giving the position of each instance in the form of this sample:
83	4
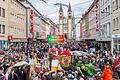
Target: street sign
55	38
10	37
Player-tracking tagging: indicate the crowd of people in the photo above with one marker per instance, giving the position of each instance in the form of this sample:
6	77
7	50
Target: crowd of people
96	64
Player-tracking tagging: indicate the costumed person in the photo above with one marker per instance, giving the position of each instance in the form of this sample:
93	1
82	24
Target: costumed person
13	75
115	63
84	69
2	76
107	73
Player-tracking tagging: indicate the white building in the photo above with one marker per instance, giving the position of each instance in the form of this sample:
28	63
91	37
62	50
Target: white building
77	32
115	10
105	23
105	18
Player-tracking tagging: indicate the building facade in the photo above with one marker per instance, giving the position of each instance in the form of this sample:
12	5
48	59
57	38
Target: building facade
85	26
3	22
52	28
93	21
61	20
96	23
36	23
12	22
105	23
115	11
66	24
69	22
16	20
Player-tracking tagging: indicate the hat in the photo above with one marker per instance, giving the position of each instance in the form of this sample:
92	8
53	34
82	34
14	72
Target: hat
70	76
81	79
107	63
76	72
75	79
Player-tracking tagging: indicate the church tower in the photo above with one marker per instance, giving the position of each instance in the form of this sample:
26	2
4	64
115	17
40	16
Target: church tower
61	20
69	22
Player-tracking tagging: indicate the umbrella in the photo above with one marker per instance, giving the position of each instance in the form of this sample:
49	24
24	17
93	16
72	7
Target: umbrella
2	52
21	63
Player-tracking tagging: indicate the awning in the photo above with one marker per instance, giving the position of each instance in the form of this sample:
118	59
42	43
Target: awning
116	36
88	39
104	39
92	37
19	40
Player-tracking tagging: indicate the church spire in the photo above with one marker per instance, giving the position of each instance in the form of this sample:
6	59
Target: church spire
69	8
61	9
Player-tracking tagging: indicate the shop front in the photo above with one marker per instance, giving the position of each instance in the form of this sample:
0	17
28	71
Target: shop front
116	42
3	42
105	43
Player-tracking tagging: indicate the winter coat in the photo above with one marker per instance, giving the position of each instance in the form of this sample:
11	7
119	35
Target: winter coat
107	74
115	63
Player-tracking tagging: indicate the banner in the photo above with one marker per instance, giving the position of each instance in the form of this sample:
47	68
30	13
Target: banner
54	65
31	21
64	60
55	38
97	23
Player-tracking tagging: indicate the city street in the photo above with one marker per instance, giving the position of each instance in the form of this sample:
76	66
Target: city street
59	39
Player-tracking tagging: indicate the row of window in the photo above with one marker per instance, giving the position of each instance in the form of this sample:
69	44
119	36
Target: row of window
16	5
105	12
2	12
2	29
116	23
104	1
16	31
116	5
107	29
16	18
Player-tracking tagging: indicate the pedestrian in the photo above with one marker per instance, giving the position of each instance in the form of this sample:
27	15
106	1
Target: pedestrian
12	75
118	69
115	63
107	73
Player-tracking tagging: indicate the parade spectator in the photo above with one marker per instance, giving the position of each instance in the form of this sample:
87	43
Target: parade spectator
107	73
118	69
13	75
115	63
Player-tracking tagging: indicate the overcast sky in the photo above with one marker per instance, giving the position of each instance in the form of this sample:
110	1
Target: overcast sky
50	10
